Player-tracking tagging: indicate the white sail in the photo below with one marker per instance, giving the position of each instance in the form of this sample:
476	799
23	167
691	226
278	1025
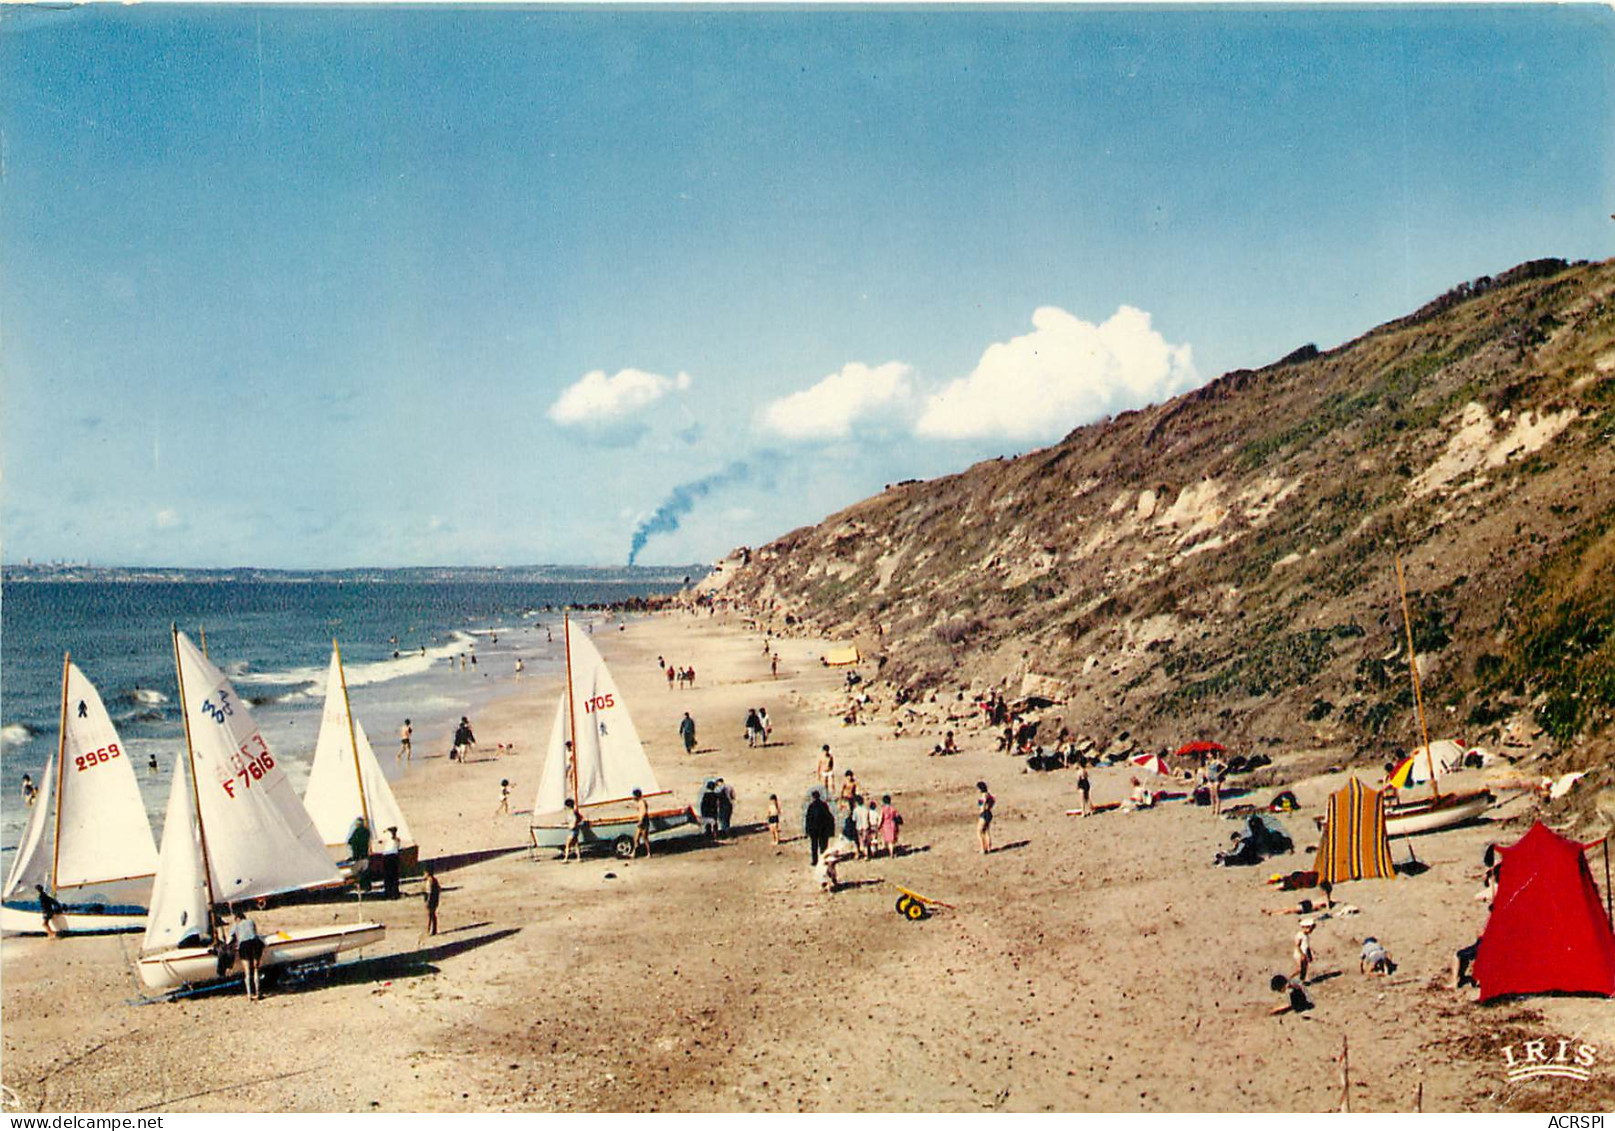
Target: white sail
102	834
343	757
611	762
259	837
32	863
553	786
179	905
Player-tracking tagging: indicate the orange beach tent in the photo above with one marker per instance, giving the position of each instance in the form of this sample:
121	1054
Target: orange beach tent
1549	930
1354	845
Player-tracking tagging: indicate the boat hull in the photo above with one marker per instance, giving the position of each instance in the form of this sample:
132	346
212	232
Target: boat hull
74	921
1434	814
195	965
613	833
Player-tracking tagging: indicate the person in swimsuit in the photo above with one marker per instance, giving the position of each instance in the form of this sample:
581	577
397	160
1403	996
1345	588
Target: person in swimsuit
984	817
773	817
574	832
642	823
434	895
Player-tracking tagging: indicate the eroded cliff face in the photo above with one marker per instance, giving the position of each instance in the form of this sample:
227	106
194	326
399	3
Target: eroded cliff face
1224	564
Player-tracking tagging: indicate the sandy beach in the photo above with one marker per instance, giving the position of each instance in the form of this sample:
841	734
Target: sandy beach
1088	964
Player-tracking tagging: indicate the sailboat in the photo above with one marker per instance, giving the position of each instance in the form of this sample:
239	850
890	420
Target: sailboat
235	831
1439	810
346	781
88	842
598	766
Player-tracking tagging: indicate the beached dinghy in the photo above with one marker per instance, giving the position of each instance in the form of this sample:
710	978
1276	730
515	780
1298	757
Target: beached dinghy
235	831
346	782
1439	810
602	768
88	842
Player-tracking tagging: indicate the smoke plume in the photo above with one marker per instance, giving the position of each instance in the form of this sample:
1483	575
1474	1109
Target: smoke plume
680	501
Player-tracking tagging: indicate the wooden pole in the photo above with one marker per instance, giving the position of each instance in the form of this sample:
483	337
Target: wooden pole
571	706
190	760
61	776
1413	667
1345	1074
353	739
1418	1098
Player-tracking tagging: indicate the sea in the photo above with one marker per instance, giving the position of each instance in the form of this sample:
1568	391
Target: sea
407	649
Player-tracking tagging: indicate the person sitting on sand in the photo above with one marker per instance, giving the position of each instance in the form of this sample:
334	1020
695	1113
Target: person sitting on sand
948	746
1302	952
1299	1001
1374	959
1141	797
1306	906
1463	966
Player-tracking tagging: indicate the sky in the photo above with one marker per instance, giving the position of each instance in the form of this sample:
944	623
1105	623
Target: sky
314	287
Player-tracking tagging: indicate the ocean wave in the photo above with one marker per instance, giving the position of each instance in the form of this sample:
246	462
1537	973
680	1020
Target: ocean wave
14	734
310	681
147	695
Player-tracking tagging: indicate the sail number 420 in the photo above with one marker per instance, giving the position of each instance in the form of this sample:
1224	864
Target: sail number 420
96	757
249	767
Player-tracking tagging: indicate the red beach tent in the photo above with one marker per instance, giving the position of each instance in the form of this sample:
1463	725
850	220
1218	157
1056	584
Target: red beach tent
1549	930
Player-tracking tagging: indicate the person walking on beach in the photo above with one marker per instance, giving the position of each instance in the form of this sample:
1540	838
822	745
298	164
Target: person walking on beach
773	817
890	822
1214	775
406	751
709	809
1083	787
773	665
753	726
671	675
30	793
865	820
762	722
819	823
389	862
642	822
464	740
687	733
849	791
726	806
504	798
434	896
984	817
827	771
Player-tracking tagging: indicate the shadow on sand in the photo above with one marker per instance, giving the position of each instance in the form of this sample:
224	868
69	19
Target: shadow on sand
386	967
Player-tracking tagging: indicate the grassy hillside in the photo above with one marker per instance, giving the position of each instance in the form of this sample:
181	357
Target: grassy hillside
1223	565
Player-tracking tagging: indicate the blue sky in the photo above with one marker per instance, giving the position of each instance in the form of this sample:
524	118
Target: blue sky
325	287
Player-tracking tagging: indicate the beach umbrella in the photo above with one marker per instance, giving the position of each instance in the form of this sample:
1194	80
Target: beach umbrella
1154	763
1193	749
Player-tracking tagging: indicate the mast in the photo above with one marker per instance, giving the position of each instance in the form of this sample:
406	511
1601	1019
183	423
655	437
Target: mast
571	707
61	779
353	739
190	761
1413	667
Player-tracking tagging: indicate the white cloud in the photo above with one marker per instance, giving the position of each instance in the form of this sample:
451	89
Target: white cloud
829	409
1064	373
598	400
167	518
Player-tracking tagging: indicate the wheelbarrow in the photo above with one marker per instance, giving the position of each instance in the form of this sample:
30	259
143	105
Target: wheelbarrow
913	905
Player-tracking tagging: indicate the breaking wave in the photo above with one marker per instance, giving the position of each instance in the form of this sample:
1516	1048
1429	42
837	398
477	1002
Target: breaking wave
14	734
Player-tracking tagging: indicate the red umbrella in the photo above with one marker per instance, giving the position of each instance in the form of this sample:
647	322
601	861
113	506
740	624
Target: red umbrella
1154	763
1196	748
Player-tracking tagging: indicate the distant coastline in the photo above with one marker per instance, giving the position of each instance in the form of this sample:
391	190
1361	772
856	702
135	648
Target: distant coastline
413	575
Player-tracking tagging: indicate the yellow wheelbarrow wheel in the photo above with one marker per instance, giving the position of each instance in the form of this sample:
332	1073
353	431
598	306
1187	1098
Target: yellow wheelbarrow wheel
916	910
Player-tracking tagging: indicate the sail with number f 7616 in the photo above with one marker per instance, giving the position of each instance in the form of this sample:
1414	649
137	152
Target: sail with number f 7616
88	841
252	838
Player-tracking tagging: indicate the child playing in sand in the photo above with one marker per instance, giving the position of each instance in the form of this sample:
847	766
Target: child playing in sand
1374	959
504	797
1299	1001
773	817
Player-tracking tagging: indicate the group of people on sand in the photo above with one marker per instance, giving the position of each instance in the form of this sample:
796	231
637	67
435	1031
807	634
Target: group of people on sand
758	726
676	676
841	822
